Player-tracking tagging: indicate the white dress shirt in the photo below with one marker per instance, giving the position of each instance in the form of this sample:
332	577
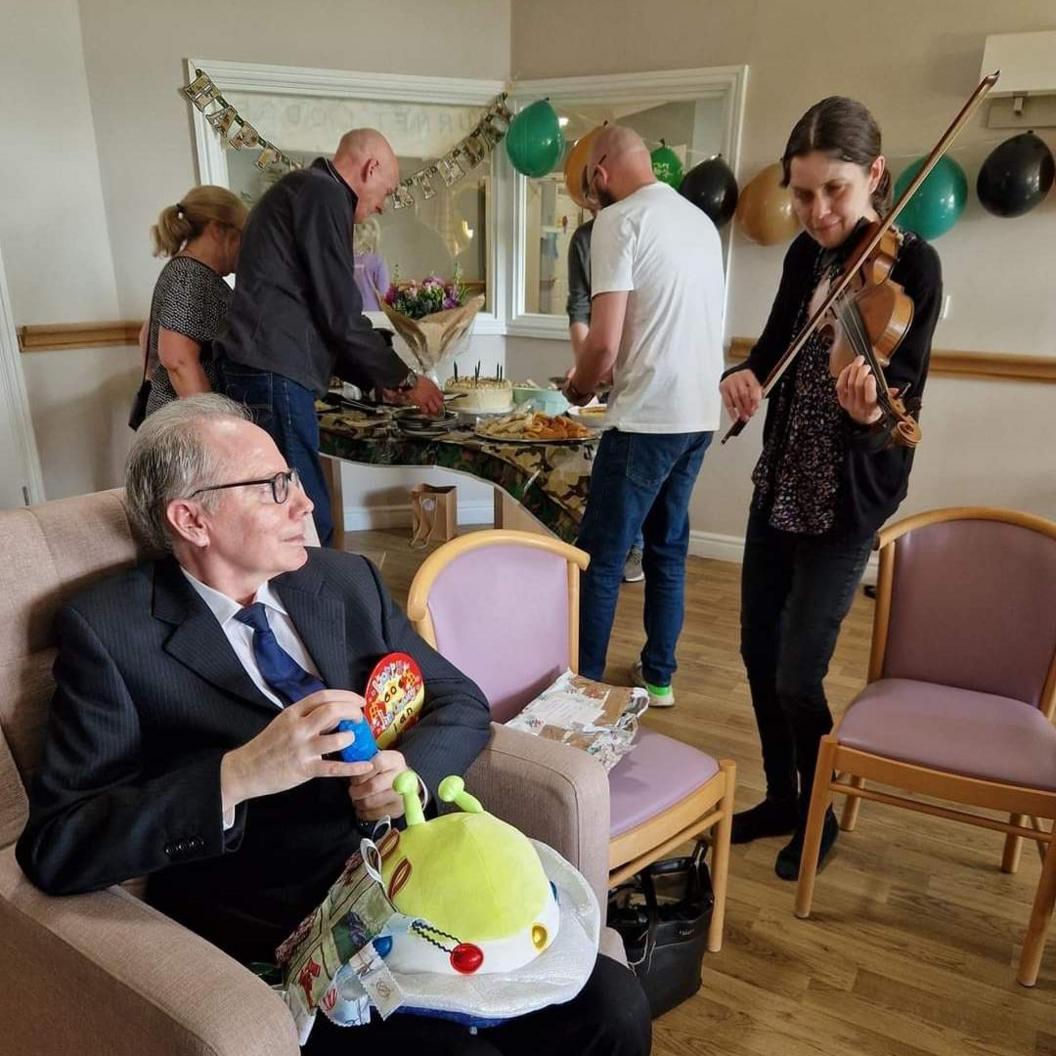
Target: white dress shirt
240	634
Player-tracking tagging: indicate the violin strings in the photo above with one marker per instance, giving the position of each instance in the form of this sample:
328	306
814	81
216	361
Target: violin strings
853	324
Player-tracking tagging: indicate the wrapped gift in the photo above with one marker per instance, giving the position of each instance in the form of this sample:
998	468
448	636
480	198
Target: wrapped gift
599	719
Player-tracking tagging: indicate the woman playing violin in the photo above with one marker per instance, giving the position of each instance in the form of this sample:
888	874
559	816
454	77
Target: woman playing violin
829	474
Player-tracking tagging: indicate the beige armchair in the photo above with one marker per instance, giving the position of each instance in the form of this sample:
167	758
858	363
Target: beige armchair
106	973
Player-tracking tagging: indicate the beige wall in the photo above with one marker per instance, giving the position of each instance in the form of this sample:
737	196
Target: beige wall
56	246
912	64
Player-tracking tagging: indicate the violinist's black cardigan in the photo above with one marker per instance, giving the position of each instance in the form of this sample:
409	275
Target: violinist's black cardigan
874	478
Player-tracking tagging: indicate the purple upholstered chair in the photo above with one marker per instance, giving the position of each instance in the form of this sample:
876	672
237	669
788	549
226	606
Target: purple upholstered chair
961	693
503	607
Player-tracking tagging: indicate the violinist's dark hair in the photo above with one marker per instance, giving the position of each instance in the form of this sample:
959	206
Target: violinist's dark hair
845	130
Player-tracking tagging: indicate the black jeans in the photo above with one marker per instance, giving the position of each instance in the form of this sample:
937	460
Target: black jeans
795	592
608	1017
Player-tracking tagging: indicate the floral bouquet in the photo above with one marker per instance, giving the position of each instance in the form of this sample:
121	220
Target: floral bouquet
431	316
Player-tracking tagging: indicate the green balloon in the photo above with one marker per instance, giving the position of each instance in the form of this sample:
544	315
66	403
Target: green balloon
667	166
938	202
534	141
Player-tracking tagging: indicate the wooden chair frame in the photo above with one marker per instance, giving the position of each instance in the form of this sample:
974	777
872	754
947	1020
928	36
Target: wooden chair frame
854	767
707	811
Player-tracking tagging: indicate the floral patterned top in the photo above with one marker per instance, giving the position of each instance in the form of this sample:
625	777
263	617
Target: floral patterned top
798	472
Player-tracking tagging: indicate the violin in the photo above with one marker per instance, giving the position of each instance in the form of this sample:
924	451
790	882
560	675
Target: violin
867	312
869	319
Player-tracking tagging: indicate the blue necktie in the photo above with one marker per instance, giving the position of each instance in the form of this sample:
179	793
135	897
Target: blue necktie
289	681
292	683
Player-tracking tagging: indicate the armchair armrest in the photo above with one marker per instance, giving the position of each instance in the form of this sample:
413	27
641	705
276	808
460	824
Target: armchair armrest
106	973
551	792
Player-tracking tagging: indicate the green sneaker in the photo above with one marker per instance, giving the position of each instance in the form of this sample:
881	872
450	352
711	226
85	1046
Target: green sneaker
659	696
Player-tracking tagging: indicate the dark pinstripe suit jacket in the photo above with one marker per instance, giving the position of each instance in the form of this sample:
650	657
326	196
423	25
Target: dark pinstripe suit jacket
150	695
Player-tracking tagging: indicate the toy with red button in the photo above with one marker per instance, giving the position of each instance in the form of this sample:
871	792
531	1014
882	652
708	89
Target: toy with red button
472	886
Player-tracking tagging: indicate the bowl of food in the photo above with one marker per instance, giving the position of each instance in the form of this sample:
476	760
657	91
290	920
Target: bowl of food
549	400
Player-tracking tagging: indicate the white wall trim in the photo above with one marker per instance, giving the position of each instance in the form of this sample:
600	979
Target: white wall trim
398	515
654	86
730	548
338	84
13	396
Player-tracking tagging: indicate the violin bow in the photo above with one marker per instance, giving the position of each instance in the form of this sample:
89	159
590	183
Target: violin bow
863	253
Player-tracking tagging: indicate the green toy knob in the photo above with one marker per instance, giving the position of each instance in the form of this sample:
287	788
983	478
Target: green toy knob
452	790
406	785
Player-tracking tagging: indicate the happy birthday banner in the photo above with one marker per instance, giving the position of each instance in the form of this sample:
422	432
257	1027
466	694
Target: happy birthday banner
237	133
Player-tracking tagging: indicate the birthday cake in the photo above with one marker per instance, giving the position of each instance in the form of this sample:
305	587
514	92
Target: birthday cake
480	395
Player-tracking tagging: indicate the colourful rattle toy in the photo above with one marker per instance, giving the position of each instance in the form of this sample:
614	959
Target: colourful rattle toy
393	698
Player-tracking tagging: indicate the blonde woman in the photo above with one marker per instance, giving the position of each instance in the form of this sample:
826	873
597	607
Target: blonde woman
201	235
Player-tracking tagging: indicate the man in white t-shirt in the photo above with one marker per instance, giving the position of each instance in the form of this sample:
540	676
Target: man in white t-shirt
656	324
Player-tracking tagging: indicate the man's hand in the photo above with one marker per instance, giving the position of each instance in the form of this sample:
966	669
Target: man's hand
426	395
856	391
741	394
290	749
372	793
574	395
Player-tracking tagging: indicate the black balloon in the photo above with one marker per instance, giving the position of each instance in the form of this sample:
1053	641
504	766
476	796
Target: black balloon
1016	176
712	187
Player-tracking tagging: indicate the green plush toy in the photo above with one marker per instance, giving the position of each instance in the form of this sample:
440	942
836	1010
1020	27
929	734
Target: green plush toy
473	887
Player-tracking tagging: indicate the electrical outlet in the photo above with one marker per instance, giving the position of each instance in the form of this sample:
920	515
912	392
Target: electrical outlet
947	301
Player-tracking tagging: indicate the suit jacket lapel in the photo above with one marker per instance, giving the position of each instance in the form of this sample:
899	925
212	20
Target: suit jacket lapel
197	640
320	621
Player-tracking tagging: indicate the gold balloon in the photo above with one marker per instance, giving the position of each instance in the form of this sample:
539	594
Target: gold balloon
576	163
764	209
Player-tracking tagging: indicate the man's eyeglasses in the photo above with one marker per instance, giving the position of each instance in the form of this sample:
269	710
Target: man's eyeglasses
280	485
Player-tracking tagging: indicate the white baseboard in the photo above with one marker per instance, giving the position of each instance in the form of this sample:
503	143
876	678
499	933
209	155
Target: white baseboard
731	548
717	547
398	515
711	545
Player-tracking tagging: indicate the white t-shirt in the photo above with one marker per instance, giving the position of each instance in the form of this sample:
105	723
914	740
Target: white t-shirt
666	254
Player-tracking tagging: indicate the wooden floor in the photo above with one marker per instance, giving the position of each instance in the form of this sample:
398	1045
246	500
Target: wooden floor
915	931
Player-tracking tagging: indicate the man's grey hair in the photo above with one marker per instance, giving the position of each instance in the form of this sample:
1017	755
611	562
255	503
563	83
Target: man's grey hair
170	460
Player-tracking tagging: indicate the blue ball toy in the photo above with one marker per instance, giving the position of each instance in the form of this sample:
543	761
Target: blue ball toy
364	747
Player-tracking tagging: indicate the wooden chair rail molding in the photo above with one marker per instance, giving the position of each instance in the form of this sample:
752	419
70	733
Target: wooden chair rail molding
960	364
50	337
47	337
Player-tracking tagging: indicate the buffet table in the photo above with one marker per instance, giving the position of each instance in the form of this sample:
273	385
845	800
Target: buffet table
549	480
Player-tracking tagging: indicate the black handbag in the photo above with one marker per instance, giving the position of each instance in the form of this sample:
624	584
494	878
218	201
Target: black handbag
139	405
139	401
662	914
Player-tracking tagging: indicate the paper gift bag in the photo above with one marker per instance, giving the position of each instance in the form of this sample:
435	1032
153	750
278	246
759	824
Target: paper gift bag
434	514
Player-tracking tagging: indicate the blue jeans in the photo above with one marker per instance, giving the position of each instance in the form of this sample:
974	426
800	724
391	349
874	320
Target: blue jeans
641	482
795	592
287	411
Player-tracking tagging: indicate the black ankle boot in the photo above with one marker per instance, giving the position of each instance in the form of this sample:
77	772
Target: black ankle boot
772	817
788	858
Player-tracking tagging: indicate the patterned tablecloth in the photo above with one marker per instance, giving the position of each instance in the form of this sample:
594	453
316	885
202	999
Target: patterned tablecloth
548	480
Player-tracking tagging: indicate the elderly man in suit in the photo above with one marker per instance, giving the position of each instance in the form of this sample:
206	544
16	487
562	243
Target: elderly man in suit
193	728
